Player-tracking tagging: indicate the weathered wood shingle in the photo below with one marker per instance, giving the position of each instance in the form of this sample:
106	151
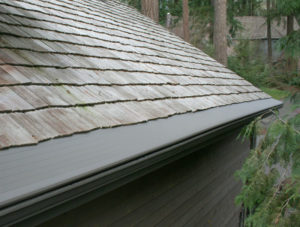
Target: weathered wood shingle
73	66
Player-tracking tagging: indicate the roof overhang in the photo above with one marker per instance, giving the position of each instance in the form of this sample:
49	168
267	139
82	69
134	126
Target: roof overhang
43	181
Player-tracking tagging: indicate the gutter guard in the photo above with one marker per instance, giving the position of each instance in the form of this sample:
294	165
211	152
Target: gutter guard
40	207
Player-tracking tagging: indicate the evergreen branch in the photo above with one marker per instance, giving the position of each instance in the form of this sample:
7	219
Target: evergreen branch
266	195
272	150
277	190
286	202
284	122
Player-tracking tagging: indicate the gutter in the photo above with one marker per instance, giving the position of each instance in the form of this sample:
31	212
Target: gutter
49	204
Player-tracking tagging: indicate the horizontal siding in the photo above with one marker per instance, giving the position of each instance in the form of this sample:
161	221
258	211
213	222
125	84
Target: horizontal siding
198	190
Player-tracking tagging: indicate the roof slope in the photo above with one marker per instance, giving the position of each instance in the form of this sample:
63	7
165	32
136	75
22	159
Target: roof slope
74	66
255	27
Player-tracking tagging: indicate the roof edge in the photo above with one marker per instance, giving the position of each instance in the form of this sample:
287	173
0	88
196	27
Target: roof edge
54	202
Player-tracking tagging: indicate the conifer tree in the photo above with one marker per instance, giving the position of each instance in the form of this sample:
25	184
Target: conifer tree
271	174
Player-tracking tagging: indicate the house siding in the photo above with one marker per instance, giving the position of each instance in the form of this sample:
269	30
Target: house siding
197	190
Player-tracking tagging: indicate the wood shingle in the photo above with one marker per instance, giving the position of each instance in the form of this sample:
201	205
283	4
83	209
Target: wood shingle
73	66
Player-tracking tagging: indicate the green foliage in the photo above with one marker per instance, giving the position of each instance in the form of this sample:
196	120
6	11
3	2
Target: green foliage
271	175
290	44
295	81
287	7
134	3
245	7
276	93
172	7
245	64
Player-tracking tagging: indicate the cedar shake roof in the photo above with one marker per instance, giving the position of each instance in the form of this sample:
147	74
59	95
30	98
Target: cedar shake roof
68	67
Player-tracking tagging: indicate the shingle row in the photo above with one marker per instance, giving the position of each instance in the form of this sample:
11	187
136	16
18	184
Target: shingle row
73	66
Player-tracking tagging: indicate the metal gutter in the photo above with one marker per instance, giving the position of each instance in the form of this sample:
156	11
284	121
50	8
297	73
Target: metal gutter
40	207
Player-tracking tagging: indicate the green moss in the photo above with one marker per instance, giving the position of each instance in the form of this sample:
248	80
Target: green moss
276	93
84	108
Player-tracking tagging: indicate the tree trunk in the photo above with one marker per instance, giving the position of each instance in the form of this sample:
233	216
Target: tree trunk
269	33
291	65
185	15
290	25
220	31
244	7
150	8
